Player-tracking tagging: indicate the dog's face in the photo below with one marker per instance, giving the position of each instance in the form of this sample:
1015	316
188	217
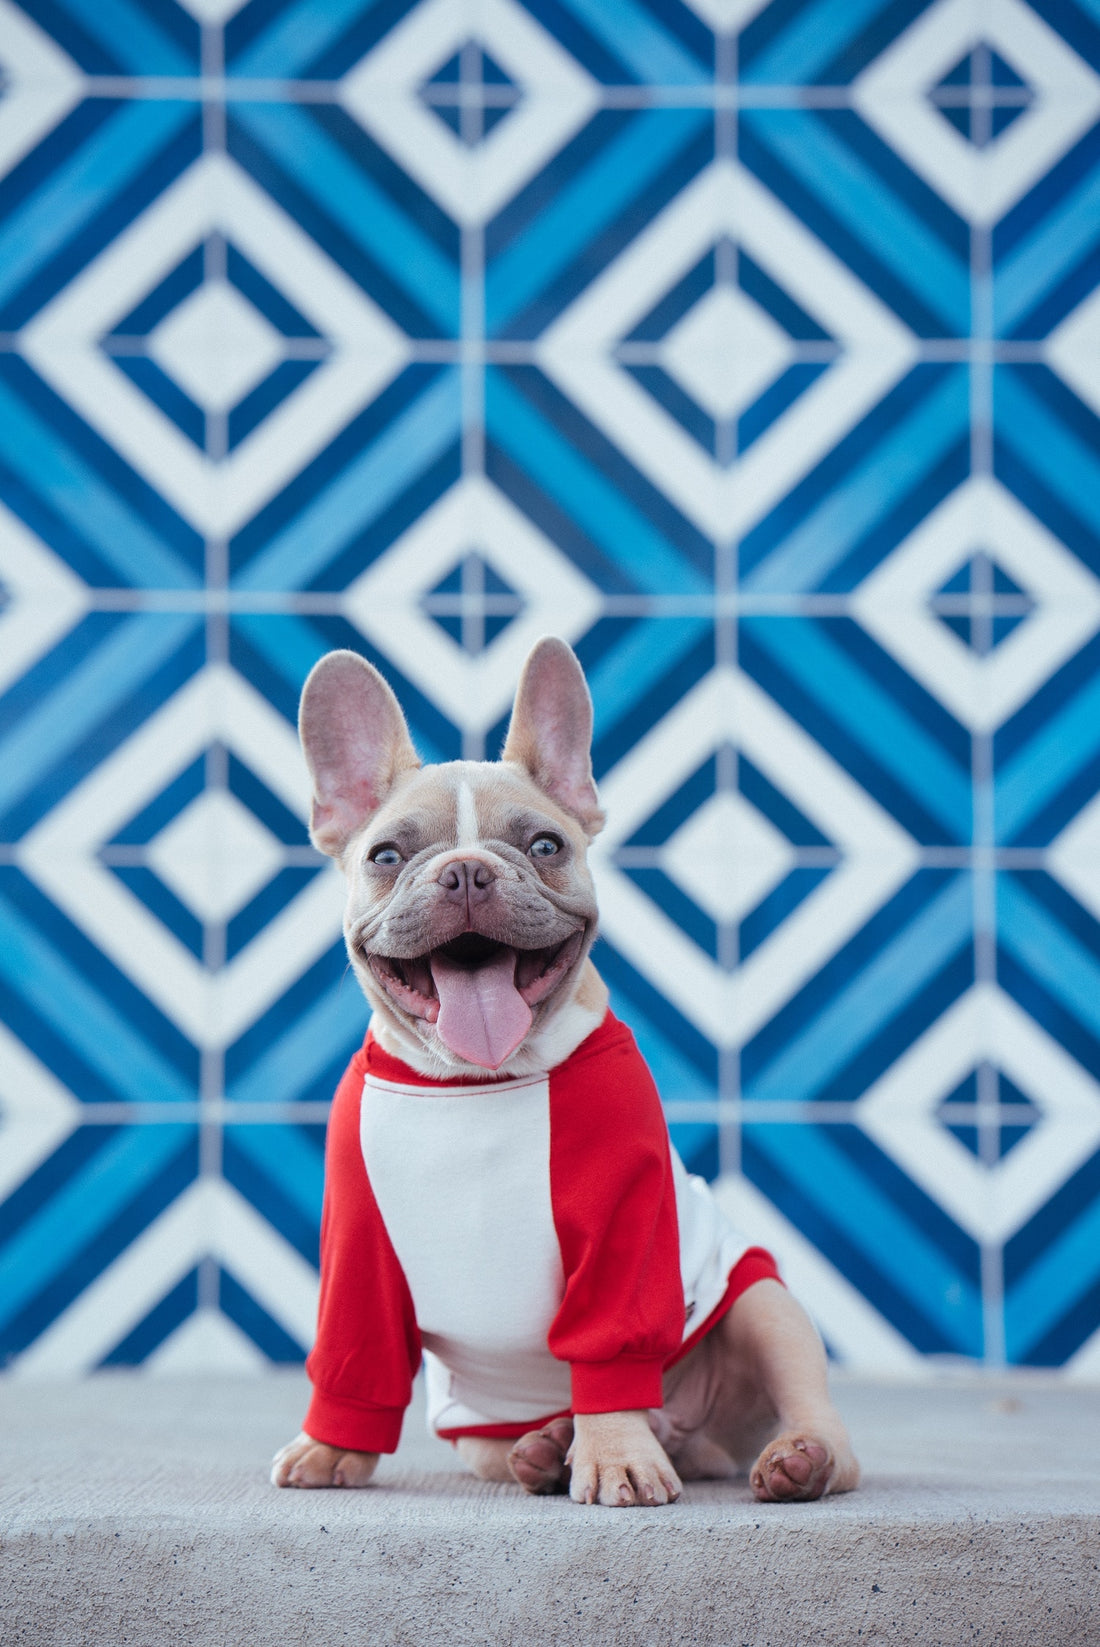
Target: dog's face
470	906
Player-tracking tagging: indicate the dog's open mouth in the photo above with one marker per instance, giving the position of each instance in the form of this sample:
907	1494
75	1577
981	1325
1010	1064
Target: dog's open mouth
479	994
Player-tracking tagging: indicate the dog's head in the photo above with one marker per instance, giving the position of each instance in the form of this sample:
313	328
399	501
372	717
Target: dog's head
470	906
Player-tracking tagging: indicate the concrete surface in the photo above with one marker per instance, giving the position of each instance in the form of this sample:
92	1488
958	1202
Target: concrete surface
135	1512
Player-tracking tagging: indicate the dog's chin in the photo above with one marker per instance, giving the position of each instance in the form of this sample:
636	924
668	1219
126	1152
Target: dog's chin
476	999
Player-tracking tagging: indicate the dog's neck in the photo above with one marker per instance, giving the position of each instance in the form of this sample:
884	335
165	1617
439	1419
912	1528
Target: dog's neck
546	1048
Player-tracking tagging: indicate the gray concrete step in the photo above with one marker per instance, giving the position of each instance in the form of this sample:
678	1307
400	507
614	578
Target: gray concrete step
136	1511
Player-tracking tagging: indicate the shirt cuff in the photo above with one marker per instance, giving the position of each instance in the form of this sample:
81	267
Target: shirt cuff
340	1423
617	1386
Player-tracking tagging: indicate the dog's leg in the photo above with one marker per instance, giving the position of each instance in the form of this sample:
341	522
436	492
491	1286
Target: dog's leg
776	1400
485	1456
304	1462
538	1459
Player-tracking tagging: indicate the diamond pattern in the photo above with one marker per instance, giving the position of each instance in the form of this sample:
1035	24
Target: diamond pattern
751	345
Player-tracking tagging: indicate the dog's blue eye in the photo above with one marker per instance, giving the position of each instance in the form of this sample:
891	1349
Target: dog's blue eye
387	856
544	847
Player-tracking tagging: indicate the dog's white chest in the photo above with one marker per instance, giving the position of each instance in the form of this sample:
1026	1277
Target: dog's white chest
462	1180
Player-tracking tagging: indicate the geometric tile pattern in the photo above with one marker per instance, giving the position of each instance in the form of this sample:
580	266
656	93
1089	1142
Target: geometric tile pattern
751	345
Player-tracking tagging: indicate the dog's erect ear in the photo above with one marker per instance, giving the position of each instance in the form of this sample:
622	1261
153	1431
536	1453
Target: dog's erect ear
551	731
356	743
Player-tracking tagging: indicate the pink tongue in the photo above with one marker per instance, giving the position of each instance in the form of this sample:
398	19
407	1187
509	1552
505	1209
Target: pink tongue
482	1015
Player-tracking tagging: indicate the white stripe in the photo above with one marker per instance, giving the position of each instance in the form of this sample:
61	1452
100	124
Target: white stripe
468	834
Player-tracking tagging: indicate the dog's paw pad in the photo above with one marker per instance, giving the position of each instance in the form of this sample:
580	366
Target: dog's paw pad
793	1467
538	1459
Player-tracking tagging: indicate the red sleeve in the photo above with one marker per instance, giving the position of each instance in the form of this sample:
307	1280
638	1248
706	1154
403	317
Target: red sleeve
622	1314
368	1347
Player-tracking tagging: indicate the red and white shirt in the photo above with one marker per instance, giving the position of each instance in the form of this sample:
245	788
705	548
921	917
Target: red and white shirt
537	1238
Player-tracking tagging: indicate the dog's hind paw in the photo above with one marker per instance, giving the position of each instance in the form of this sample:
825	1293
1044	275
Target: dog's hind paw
797	1467
538	1458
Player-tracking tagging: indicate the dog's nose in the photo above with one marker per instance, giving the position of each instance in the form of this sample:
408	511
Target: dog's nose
467	880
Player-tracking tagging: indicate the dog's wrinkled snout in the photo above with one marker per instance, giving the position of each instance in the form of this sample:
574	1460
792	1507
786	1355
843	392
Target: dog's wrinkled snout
467	880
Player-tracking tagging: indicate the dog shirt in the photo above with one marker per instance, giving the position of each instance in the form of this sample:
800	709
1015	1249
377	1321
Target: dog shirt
536	1238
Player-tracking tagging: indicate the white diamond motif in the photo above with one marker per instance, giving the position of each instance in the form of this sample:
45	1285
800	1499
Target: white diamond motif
727	856
1074	856
213	11
382	93
727	14
61	854
892	604
43	598
892	96
384	603
578	350
39	84
216	345
899	1112
725	351
36	1112
1073	349
215	855
209	1220
876	857
214	196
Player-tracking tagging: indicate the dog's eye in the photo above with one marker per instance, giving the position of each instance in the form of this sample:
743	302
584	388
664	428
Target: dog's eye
544	846
386	856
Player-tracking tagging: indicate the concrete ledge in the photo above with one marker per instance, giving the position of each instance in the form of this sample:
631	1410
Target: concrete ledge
136	1511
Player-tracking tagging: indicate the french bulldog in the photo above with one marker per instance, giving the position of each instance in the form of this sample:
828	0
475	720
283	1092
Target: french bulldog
501	1193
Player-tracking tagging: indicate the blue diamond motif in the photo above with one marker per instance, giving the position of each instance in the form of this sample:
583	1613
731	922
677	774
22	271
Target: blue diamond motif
472	604
456	94
970	614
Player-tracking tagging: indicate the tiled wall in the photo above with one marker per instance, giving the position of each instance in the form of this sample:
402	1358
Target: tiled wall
753	346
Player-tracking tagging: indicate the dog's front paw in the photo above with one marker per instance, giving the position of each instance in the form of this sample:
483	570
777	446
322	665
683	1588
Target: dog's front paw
304	1462
616	1460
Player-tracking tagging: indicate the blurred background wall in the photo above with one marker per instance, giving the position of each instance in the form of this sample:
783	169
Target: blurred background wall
751	345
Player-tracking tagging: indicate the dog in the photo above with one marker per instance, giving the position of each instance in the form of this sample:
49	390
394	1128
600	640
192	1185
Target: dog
502	1197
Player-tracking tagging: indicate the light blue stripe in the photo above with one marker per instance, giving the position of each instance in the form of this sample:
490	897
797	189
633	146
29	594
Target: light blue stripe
412	442
622	532
292	647
82	187
83	498
877	217
292	1162
1047	447
79	1212
1053	1284
883	986
62	719
352	198
676	1078
288	642
1066	968
583	208
1048	762
1064	235
870	716
628	671
83	1017
299	36
636	40
291	1065
130	36
805	558
891	1243
814	38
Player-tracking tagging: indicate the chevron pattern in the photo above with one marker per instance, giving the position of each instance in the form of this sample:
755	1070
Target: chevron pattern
751	345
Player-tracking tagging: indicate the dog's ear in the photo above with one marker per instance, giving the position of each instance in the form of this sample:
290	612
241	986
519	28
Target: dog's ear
550	733
356	743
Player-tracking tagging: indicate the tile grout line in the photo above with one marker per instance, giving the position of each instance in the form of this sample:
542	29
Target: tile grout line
982	765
